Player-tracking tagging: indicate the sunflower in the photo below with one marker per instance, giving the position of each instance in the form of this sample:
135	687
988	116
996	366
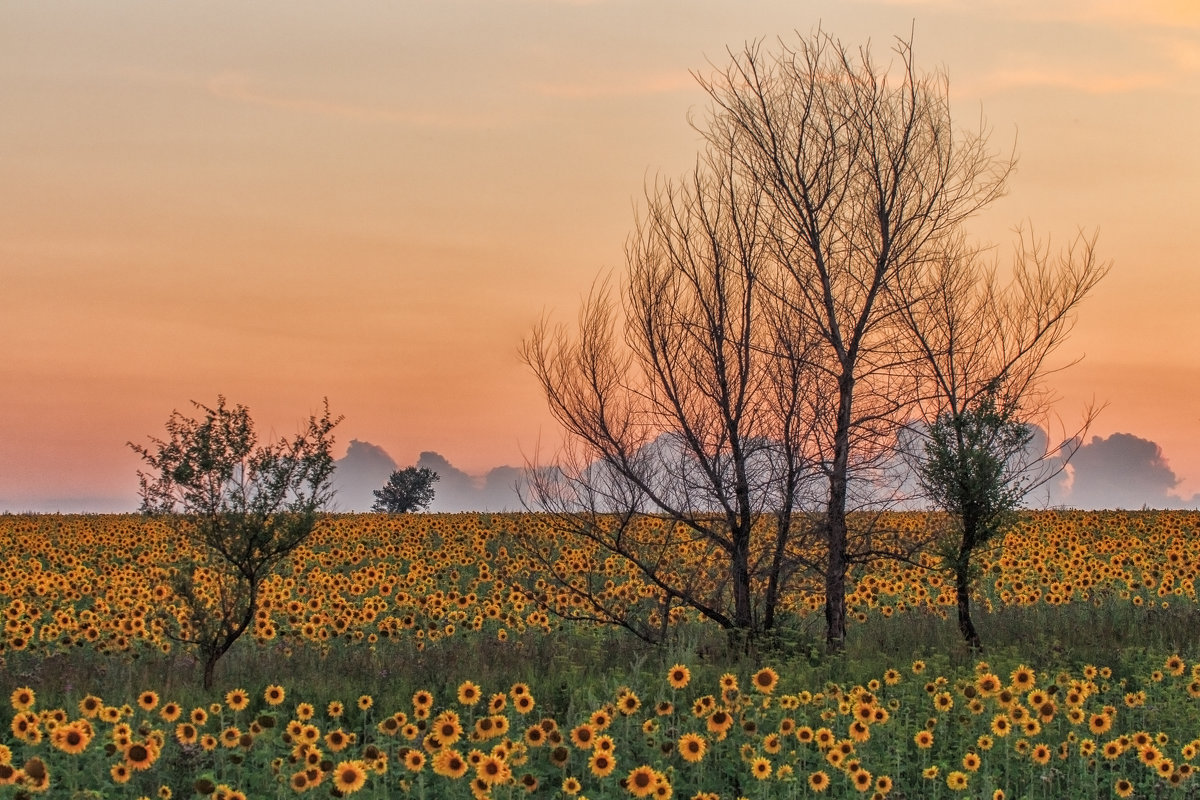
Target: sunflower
230	736
692	747
923	739
140	757
971	762
765	680
365	702
641	781
186	733
823	737
449	763
338	740
120	772
957	780
1040	754
274	695
819	781
148	700
600	719
414	760
198	717
1149	755
679	676
583	736
863	780
1099	723
988	684
170	712
1123	788
628	702
571	786
1023	678
448	728
492	770
602	763
761	768
349	776
90	706
23	699
468	693
335	709
237	699
72	739
719	721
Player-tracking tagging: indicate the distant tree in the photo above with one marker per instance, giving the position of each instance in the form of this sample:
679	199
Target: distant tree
244	506
407	490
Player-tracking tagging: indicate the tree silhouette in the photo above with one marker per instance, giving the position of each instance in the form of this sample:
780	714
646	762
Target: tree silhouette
407	490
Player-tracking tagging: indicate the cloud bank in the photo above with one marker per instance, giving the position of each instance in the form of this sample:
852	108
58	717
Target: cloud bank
1121	471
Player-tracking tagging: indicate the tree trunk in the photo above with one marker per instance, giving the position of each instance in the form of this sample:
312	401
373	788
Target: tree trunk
743	619
836	532
210	667
962	590
775	576
835	583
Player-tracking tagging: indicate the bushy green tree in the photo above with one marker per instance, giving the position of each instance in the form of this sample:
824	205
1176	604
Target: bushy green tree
974	466
245	507
407	490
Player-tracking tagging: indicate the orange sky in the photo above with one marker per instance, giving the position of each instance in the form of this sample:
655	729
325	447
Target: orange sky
374	202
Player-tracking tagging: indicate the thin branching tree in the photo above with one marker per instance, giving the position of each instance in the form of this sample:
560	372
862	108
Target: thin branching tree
244	507
684	454
864	179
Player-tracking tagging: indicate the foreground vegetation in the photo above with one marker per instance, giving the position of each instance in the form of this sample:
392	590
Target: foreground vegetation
420	656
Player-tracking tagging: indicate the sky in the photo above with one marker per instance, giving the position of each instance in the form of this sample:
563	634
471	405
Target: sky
374	202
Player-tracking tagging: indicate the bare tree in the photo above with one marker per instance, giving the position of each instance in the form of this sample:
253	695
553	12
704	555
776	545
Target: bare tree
684	453
983	348
864	180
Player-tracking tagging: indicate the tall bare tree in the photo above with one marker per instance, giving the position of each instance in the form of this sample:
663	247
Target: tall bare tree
865	180
983	348
684	439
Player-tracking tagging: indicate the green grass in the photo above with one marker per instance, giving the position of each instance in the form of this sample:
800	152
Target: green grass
575	672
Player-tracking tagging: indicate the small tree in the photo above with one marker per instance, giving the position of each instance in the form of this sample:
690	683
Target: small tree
244	507
407	490
975	467
981	350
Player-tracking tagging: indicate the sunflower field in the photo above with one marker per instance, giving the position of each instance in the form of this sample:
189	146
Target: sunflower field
423	656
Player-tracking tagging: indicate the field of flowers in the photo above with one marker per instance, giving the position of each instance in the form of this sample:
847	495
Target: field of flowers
412	596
